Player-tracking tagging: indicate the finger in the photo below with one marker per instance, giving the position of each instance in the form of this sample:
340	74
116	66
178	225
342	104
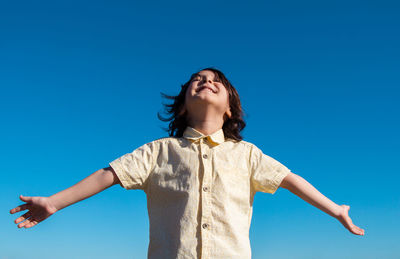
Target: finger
23	224
31	224
356	230
360	231
23	217
25	198
19	208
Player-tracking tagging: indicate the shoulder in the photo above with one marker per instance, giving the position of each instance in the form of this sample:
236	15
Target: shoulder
245	143
252	150
242	143
242	146
162	141
153	147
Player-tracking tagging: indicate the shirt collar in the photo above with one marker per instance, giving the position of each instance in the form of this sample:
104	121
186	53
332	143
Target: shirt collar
193	134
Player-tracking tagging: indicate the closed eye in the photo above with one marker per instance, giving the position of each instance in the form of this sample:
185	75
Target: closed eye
197	78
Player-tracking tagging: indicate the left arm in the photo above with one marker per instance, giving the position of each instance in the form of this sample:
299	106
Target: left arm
300	187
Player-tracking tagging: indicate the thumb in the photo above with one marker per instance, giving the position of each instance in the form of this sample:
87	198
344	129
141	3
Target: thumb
25	198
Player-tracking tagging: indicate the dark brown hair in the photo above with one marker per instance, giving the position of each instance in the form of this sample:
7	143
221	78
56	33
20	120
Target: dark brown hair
178	122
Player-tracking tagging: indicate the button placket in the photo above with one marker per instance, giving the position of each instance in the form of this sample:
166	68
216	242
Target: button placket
205	197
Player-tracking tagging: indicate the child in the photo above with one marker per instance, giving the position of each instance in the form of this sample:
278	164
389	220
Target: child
199	182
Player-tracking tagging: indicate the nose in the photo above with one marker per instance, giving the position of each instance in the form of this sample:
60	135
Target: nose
208	80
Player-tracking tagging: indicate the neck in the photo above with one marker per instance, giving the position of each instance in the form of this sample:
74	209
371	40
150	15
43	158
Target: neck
206	125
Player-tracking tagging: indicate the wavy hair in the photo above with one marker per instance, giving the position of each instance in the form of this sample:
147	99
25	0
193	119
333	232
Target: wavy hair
178	121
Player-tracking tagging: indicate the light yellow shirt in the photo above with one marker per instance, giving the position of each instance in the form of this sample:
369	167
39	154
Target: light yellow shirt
200	192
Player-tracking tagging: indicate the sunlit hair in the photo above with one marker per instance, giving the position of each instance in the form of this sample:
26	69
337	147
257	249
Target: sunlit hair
178	122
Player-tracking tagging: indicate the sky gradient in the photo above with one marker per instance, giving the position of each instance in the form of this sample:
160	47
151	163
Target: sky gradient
319	83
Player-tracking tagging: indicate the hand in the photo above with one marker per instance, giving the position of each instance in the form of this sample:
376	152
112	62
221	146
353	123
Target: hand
343	217
39	209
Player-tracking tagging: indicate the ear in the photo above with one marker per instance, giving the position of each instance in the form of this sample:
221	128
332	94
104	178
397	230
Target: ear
228	113
183	110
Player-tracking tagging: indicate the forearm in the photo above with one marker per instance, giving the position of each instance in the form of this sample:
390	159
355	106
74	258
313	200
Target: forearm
300	187
94	183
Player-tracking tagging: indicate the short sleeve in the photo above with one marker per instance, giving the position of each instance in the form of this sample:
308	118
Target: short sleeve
133	169
266	172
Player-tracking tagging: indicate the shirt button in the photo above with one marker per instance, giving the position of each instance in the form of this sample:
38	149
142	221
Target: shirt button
205	225
205	188
205	156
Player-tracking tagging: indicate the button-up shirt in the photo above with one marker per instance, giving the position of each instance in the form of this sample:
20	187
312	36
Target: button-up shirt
200	192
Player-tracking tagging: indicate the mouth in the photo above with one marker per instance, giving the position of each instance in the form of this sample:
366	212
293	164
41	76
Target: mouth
206	88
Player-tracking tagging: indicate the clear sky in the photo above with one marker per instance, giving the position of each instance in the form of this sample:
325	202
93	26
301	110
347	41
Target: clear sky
319	82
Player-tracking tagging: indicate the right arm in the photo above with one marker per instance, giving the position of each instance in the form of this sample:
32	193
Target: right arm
40	208
91	185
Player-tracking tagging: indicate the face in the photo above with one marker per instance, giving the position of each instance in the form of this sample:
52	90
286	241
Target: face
206	89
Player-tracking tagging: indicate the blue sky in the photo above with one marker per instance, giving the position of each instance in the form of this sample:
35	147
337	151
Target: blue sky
319	82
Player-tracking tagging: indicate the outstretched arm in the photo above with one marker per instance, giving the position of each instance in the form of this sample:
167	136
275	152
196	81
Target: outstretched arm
40	208
300	187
